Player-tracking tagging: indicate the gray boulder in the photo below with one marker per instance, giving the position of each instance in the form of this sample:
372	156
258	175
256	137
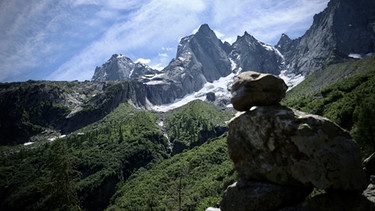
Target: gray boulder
340	200
256	89
369	167
369	193
289	147
252	195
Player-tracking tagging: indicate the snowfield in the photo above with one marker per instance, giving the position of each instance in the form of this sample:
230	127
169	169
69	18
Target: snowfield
221	89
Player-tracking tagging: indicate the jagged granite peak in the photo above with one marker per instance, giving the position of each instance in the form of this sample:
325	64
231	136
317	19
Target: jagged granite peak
284	43
120	67
250	54
344	27
200	57
210	52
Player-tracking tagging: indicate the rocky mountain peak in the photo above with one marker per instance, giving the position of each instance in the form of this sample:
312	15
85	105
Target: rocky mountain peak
250	54
205	29
246	37
120	67
283	43
200	57
344	27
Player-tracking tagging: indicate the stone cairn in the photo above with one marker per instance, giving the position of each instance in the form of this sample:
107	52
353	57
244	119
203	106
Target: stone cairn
282	154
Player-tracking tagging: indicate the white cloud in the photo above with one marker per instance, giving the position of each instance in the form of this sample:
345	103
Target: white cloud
163	55
143	61
21	41
155	24
73	36
266	20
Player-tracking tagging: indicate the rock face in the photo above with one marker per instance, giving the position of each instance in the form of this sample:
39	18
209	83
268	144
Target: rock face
369	167
344	27
200	58
254	89
288	147
255	195
250	54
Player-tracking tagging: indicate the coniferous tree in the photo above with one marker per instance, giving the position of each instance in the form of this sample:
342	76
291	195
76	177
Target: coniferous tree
61	189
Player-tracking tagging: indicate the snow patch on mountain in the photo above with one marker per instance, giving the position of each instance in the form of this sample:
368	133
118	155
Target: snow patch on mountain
219	87
355	55
360	56
271	48
267	47
291	79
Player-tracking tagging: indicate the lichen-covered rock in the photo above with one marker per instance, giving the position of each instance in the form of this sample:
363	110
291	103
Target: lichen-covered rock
253	195
289	147
256	89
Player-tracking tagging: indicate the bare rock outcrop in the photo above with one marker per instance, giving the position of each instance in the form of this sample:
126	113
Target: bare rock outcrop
256	195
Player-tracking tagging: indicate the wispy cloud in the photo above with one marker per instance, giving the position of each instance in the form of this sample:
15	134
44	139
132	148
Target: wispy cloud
65	40
266	20
155	25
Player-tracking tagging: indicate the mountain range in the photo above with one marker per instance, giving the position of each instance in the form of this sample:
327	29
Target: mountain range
345	29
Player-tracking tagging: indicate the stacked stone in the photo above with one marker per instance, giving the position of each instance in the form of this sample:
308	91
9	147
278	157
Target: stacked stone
281	154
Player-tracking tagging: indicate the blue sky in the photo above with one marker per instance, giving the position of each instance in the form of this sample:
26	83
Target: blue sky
67	39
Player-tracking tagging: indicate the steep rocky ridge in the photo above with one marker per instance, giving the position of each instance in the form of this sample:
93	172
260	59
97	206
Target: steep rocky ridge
344	27
201	58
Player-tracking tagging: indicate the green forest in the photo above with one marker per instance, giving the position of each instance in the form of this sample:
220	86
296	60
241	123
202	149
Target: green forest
97	160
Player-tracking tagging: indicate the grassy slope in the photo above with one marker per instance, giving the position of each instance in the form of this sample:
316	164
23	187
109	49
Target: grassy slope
192	124
349	102
328	76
